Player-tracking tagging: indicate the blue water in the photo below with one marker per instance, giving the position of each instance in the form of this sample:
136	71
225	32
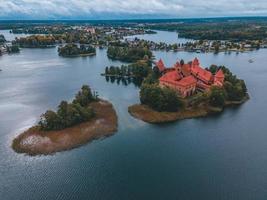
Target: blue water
162	36
221	157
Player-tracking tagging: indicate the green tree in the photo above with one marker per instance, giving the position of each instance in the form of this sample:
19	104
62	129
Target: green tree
84	96
217	97
160	99
50	121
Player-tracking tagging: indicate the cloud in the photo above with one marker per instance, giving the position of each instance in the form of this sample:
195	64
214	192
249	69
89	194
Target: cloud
106	9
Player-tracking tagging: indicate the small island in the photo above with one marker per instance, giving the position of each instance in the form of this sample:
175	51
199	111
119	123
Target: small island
187	91
128	54
73	50
85	119
35	41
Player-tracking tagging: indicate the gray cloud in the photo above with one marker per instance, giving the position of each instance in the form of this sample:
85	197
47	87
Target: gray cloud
94	9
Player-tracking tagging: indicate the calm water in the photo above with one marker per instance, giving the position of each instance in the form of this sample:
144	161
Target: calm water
10	37
161	36
222	157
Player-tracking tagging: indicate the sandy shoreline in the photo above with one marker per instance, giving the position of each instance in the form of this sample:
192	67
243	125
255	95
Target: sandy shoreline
37	142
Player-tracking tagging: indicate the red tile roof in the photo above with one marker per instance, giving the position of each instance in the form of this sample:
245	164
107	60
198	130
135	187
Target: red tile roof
160	65
201	73
171	76
191	74
189	80
186	69
219	74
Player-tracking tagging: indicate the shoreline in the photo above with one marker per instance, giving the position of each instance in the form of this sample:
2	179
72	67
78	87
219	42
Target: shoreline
146	114
37	142
79	55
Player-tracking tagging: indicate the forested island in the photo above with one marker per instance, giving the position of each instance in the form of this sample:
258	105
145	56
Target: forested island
128	54
73	50
161	104
35	41
217	29
199	46
73	124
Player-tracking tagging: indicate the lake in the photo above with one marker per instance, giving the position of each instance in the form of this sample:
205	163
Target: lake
220	157
161	36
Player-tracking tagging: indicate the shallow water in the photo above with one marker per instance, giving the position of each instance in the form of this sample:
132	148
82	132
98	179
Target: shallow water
219	157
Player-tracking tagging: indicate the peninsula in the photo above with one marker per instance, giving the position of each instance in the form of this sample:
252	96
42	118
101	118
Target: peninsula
85	119
187	90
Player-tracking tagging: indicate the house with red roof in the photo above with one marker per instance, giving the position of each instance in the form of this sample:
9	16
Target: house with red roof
187	78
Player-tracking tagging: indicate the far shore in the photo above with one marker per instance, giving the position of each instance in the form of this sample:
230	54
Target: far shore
149	115
37	142
79	55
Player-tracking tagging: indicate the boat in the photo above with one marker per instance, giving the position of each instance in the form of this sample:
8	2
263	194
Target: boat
250	61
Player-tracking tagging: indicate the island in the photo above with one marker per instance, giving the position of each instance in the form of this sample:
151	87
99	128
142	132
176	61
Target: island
128	54
35	41
74	124
73	50
187	91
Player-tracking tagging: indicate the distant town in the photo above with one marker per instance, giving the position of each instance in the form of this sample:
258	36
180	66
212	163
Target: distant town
225	36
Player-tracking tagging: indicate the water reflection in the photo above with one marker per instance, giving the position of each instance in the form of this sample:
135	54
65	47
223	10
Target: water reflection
125	81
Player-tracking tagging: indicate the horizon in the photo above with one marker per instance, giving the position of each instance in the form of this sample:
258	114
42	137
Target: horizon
126	10
139	19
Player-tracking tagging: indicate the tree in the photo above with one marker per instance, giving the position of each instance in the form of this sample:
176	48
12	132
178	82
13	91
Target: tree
69	114
84	96
217	97
106	70
13	49
213	69
2	39
128	54
50	121
160	99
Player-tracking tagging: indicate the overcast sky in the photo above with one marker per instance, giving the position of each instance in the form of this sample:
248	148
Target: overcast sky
123	9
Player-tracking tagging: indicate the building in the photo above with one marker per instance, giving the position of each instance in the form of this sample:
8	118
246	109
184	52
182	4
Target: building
187	78
90	30
160	65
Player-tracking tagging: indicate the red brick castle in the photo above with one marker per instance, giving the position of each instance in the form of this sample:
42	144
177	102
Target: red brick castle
187	78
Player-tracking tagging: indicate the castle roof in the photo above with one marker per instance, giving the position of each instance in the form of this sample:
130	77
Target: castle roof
189	80
186	75
160	65
195	61
201	73
171	76
219	74
176	79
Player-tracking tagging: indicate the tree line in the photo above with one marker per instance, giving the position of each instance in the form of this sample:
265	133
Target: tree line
128	54
70	114
75	50
35	41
